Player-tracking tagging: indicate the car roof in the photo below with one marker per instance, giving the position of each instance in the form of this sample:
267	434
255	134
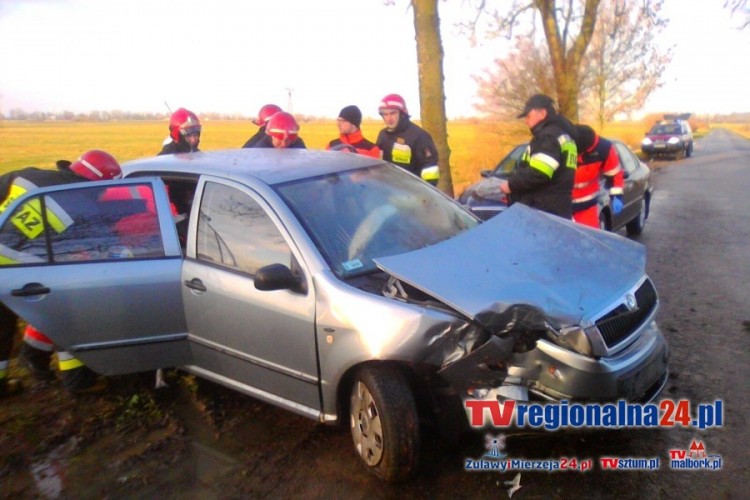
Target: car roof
272	166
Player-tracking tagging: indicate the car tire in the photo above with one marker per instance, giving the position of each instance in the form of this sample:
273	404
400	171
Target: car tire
603	221
384	422
635	226
689	150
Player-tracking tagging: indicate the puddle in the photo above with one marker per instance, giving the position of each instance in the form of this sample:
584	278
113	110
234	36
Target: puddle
49	471
164	461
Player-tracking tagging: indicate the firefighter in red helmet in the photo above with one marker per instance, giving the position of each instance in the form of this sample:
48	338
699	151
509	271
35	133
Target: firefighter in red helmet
184	133
282	131
265	114
37	349
596	158
405	144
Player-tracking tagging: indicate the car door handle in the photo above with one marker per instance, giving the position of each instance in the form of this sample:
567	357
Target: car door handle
196	284
30	289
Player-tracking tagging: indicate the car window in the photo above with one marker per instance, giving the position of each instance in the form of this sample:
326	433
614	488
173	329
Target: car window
627	160
83	224
356	216
235	232
508	164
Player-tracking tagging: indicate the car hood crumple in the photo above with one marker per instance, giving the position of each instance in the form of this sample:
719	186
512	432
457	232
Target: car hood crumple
521	258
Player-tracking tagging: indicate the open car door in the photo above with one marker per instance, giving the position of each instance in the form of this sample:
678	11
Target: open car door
96	267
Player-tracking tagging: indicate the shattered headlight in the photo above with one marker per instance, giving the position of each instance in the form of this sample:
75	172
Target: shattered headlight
574	338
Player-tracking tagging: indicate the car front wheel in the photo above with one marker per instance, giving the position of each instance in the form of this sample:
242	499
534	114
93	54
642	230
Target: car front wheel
635	226
689	150
384	422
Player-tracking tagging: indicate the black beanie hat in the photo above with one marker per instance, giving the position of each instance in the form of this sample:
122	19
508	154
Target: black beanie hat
352	114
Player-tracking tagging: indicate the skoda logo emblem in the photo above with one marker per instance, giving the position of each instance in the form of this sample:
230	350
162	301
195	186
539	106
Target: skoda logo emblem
630	302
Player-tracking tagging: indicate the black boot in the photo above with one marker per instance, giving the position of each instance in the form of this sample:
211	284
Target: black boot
10	387
82	380
37	362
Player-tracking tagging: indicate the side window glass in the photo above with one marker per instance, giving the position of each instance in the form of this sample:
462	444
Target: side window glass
235	232
627	161
85	224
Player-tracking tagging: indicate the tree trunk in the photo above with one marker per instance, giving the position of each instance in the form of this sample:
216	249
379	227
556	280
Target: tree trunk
566	61
431	89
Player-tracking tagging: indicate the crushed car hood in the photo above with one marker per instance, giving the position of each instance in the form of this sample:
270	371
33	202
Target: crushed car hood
524	257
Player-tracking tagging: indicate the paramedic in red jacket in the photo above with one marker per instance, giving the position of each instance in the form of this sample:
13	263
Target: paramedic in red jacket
596	159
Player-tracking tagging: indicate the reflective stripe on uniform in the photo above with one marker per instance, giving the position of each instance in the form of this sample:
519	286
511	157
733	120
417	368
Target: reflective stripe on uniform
9	256
37	339
543	163
431	173
569	150
580	199
401	153
67	361
28	218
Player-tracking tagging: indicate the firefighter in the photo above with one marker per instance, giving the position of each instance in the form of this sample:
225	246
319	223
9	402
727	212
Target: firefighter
405	144
544	176
184	133
37	349
349	121
282	131
265	114
596	157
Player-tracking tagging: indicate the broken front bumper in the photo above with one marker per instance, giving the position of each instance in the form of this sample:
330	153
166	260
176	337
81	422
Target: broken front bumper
551	373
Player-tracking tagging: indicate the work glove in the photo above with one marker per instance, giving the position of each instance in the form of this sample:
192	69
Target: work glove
617	204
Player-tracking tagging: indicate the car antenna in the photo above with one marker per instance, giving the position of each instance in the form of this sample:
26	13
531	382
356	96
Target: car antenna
168	108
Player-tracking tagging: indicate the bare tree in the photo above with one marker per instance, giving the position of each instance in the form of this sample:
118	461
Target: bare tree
431	84
567	28
504	88
624	64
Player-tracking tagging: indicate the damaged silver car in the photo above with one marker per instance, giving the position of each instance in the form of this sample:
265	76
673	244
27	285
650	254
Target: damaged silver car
333	285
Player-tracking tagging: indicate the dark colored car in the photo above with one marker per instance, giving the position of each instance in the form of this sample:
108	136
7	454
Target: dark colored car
485	200
669	137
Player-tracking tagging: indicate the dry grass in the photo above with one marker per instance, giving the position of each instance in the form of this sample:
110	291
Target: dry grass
475	145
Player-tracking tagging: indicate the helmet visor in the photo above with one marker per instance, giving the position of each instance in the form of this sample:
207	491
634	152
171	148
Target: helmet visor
191	130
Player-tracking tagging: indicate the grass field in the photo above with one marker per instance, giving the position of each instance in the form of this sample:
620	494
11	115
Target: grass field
475	144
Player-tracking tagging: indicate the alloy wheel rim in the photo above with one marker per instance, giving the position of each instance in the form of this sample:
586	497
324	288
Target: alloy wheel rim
367	429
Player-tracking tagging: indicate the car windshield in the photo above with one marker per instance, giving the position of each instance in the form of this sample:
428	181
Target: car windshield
508	164
356	216
665	130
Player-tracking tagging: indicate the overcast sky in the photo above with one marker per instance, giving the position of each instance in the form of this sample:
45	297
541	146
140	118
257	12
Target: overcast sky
233	56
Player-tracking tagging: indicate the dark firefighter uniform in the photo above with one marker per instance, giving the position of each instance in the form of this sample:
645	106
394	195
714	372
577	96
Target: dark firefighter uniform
411	148
544	176
13	185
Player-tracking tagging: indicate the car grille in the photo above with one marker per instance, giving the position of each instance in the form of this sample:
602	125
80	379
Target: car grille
618	324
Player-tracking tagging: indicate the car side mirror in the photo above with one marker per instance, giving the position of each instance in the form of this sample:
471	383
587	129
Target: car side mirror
486	173
275	277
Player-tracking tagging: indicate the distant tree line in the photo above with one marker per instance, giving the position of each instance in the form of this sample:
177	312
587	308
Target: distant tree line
106	116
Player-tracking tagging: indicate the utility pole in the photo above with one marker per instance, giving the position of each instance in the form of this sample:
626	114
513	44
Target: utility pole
289	100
